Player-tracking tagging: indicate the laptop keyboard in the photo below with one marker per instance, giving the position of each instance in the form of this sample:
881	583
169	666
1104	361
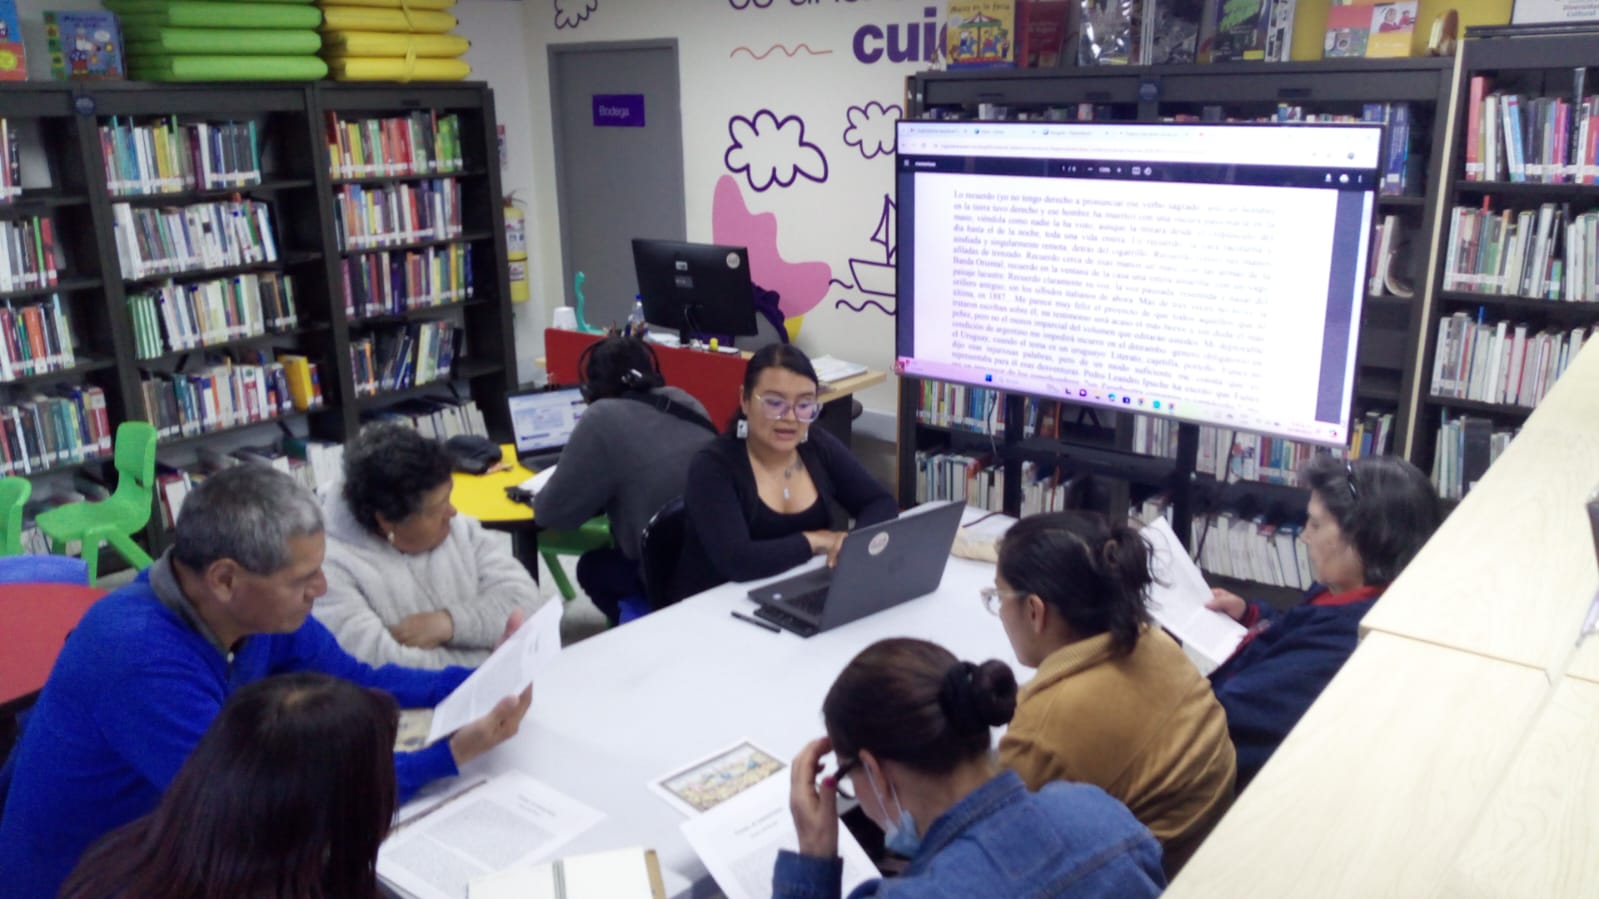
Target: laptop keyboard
809	602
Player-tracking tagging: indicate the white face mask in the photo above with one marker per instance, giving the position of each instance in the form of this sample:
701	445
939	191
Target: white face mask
899	835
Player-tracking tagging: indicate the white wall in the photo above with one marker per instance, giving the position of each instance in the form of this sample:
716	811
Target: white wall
791	58
499	56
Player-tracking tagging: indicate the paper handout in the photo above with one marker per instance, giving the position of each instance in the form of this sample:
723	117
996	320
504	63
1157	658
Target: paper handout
498	823
617	874
738	841
506	673
709	782
1177	601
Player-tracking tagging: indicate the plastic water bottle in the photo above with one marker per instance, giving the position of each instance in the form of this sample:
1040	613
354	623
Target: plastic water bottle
635	320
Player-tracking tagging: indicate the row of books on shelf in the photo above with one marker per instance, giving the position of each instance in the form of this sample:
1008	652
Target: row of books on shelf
166	156
47	431
1242	544
1548	254
959	407
228	395
369	217
1525	138
314	463
978	479
1501	362
10	162
438	417
420	143
35	339
1226	454
29	258
200	236
400	358
391	282
173	317
1465	447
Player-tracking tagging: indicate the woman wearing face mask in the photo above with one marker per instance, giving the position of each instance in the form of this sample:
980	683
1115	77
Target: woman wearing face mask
774	491
1366	520
909	724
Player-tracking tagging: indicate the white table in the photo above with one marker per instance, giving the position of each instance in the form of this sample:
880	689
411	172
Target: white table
623	708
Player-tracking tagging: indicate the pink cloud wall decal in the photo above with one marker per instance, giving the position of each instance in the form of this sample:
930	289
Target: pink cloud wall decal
802	285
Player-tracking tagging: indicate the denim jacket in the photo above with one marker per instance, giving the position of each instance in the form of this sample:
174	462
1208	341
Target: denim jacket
1066	840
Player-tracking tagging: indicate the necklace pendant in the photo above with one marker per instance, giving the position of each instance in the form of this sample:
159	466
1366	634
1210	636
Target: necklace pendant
785	492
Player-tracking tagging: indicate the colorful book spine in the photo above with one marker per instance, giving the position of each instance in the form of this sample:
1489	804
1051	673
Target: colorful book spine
195	238
393	215
421	143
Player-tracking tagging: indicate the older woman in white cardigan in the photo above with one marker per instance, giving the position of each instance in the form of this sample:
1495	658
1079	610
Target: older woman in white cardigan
409	581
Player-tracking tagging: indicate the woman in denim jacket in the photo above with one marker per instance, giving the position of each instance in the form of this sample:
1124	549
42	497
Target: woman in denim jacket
909	724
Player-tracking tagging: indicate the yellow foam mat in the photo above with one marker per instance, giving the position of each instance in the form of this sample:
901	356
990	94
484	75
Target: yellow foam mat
400	69
341	44
356	18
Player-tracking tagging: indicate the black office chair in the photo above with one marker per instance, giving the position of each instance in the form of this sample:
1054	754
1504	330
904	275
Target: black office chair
659	547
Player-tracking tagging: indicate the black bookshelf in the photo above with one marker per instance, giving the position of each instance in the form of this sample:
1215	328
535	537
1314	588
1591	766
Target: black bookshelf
1388	374
64	176
1534	66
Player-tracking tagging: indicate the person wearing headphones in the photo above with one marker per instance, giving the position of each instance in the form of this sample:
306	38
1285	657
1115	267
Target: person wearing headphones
628	456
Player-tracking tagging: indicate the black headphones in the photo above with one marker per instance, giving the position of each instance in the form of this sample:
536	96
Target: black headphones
612	365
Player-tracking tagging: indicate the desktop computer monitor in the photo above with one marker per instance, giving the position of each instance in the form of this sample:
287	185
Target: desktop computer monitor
695	288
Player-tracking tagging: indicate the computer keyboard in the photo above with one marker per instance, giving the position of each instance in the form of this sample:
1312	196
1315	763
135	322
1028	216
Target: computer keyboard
791	623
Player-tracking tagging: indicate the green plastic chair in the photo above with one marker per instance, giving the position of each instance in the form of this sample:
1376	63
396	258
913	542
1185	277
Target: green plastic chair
14	492
592	534
116	519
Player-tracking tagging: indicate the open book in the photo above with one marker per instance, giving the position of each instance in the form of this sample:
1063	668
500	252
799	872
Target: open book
1177	601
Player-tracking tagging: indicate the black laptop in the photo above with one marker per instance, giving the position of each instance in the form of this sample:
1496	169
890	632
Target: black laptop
879	567
542	422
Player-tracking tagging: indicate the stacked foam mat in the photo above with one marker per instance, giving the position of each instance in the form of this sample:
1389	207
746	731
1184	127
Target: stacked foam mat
221	40
392	40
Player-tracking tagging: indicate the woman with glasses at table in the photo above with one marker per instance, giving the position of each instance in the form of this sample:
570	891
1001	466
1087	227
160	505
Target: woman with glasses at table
773	491
1115	702
909	724
1365	521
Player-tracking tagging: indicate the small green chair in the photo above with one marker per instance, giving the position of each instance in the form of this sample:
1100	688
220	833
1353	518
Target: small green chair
14	492
116	519
592	534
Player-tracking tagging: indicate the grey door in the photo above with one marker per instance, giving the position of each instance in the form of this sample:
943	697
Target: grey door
616	180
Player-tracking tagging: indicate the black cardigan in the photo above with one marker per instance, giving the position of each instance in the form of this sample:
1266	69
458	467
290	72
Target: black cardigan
721	500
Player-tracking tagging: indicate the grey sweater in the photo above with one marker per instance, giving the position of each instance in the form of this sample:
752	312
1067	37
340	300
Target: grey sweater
626	459
372	586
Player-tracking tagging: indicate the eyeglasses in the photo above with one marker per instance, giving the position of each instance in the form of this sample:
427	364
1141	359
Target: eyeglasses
777	407
838	779
1349	475
992	596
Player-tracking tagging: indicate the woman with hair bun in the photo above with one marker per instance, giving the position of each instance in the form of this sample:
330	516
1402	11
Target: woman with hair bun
1115	702
910	726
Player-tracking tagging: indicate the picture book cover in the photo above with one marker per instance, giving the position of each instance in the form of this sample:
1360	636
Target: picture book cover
1240	30
84	46
1392	26
1348	28
1041	27
13	61
980	33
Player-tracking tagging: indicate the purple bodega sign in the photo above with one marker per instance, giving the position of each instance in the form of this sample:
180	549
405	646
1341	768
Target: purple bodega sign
619	110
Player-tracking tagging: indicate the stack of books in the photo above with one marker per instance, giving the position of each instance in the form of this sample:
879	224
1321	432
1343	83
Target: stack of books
46	432
401	358
225	395
193	238
173	317
165	156
1500	362
421	143
389	283
386	215
34	339
29	258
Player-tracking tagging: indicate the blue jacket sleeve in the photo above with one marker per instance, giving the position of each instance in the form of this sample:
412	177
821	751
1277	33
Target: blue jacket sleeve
711	504
155	713
415	770
867	501
807	877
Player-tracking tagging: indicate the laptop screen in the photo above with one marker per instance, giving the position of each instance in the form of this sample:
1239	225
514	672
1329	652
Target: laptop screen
544	420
